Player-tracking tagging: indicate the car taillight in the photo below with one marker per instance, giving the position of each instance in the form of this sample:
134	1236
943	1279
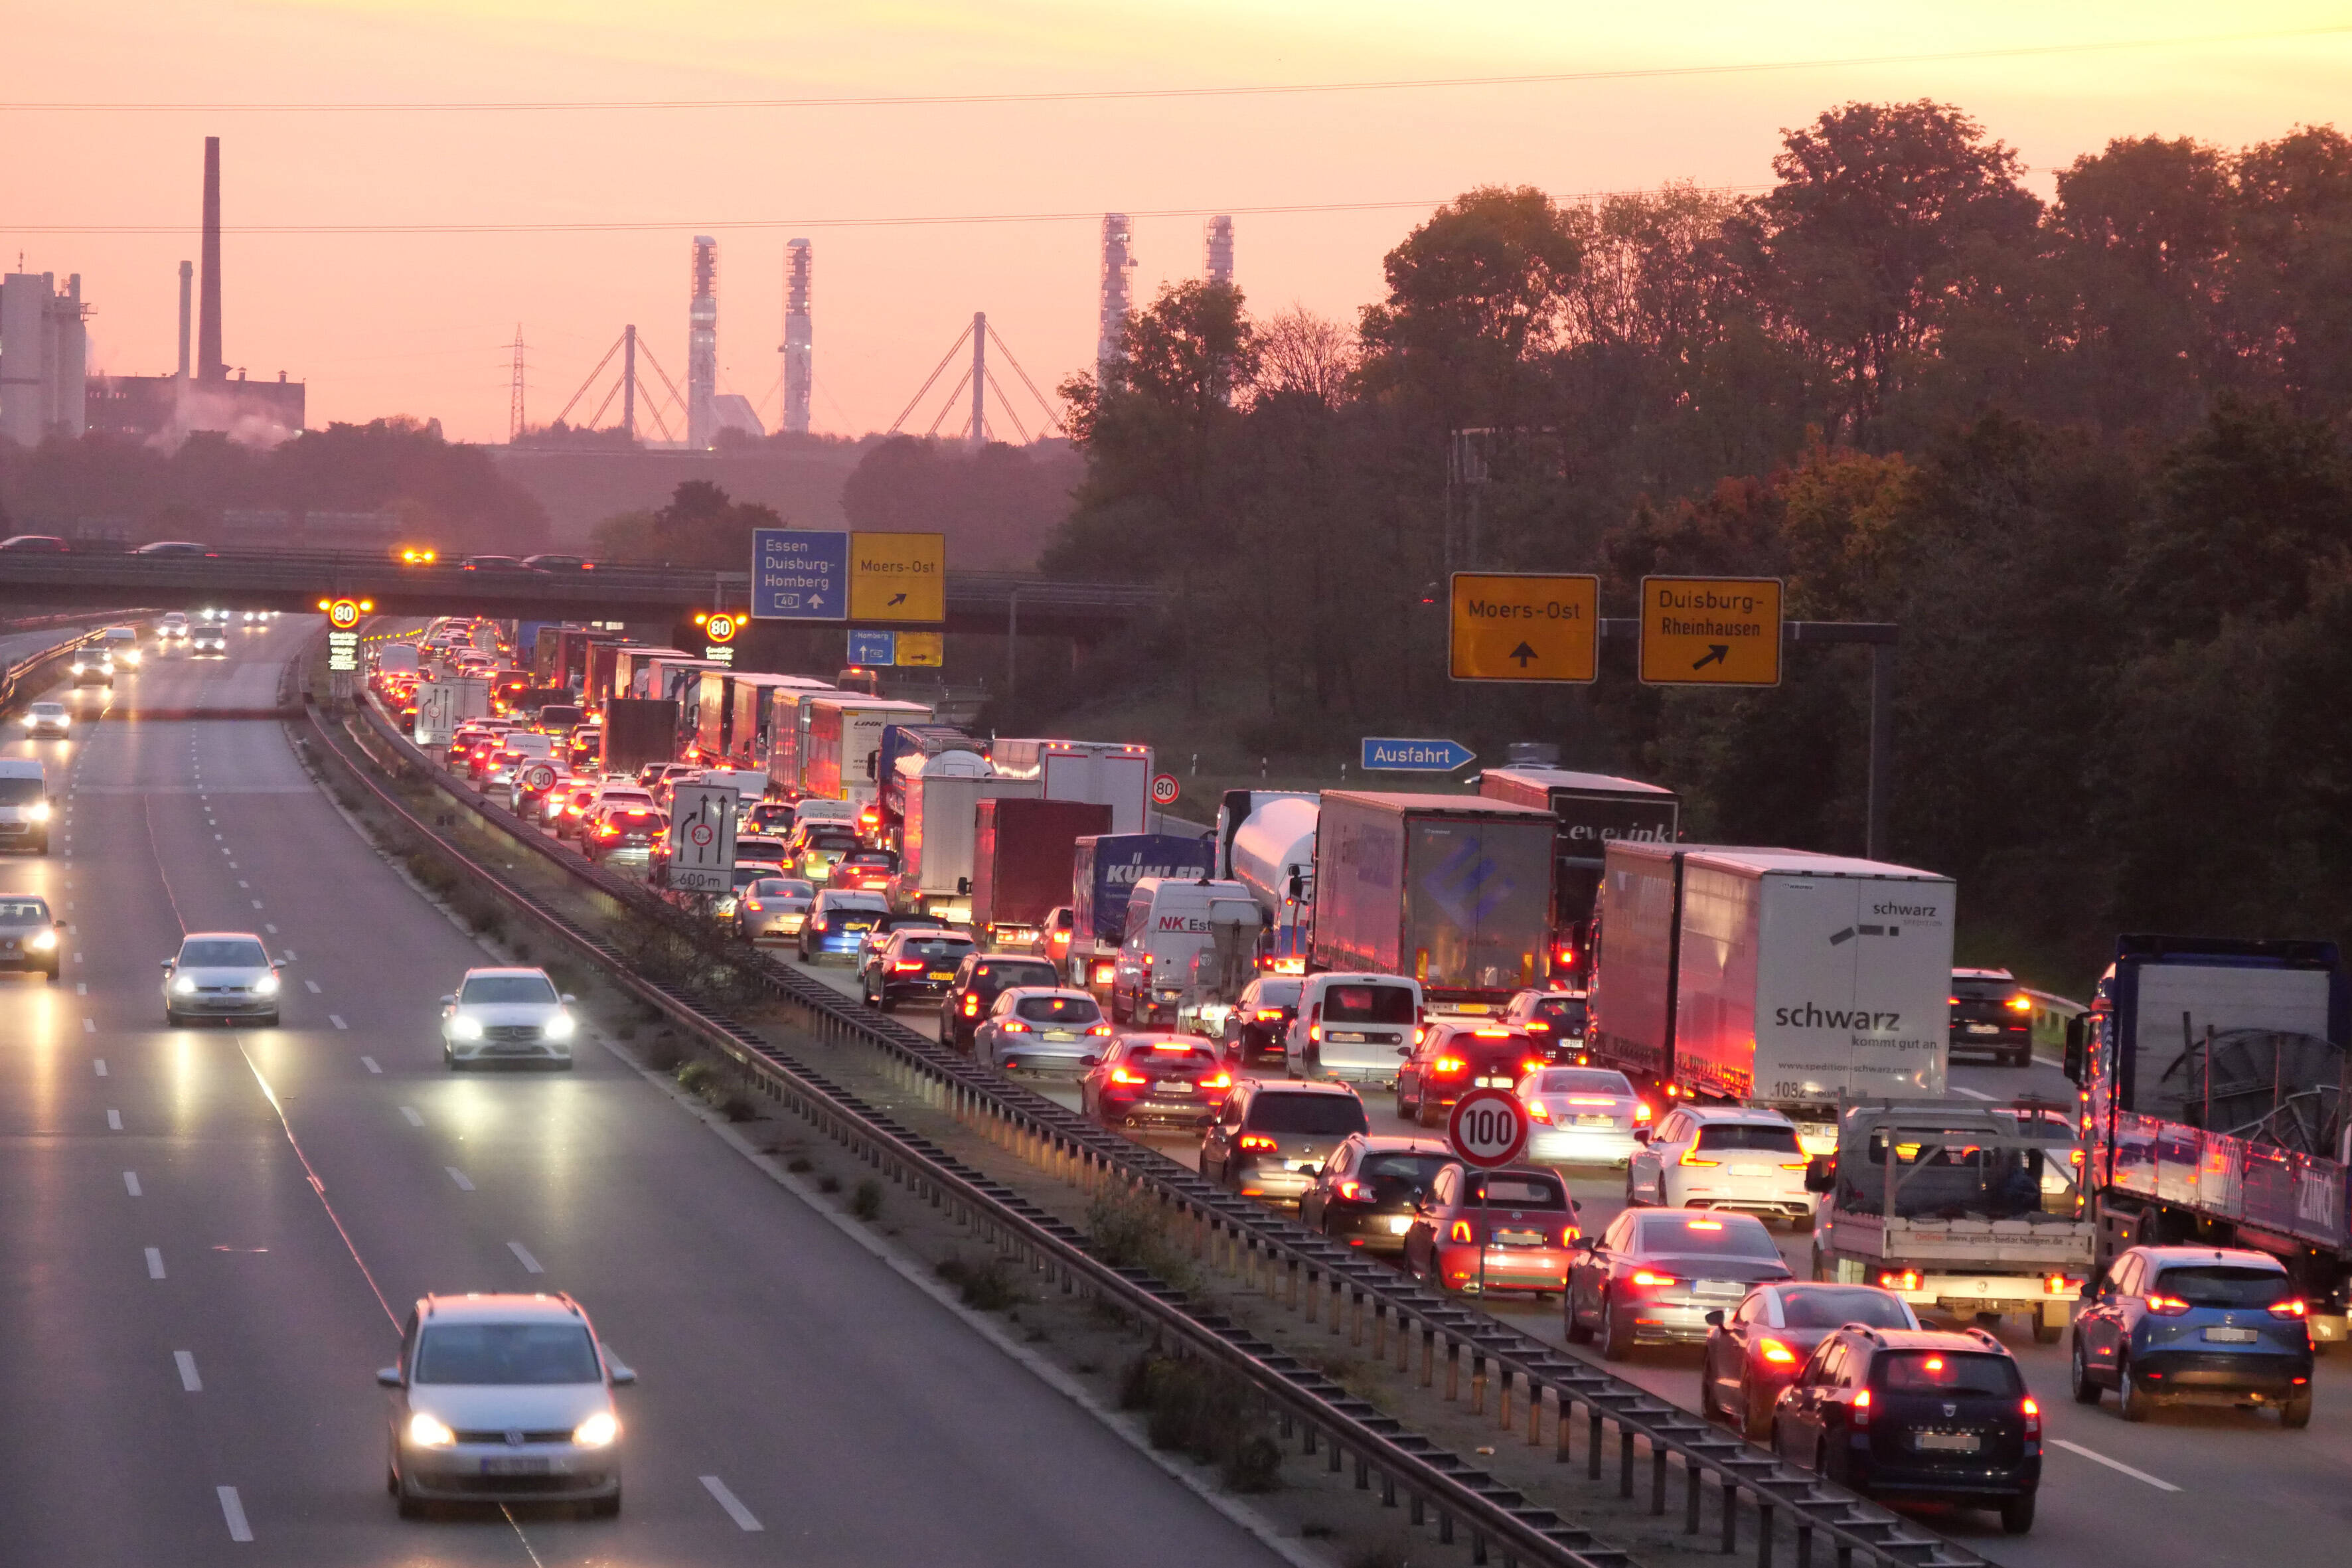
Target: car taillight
2295	1308
1690	1157
1218	1080
908	965
1419	1034
1641	1111
1648	1280
1536	1027
2032	1414
2167	1306
1102	1029
1862	1408
1103	972
1539	1111
1015	1026
1794	1164
1269	1014
1121	1075
2021	1003
971	1005
1315	1033
1775	1352
754	905
1350	1190
2059	1285
1447	1065
1257	1140
1461	1231
1908	1279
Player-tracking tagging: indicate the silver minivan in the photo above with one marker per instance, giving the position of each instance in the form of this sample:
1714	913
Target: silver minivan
1354	1027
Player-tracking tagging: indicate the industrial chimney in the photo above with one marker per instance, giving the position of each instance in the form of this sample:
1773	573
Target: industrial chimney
210	366
799	349
702	348
1118	263
1217	250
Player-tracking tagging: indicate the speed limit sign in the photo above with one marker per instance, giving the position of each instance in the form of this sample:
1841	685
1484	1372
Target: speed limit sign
1489	1128
1164	790
539	778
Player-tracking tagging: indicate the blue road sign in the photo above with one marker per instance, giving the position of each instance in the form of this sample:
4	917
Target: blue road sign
799	575
876	649
1384	755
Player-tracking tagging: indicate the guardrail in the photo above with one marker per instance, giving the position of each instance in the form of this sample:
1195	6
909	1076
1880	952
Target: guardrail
13	678
1300	1267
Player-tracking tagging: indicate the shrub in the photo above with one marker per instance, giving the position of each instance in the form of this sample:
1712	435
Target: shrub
1129	1230
1196	1409
866	1203
983	1286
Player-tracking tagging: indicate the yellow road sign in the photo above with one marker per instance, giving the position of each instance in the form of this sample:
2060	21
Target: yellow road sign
1711	631
928	649
899	577
1525	626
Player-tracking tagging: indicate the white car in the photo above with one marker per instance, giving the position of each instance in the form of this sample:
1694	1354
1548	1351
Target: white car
48	719
499	1398
1723	1157
507	1014
1581	1116
220	974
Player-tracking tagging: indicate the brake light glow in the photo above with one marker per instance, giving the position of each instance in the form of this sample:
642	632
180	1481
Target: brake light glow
1419	1034
754	905
907	965
1103	1029
1349	1190
2167	1306
1794	1164
1218	1080
1536	1027
1648	1280
970	1005
1269	1014
1907	1279
2294	1308
1539	1111
1690	1157
2032	1414
1315	1033
2021	1003
1590	1099
1775	1352
1641	1111
1121	1075
2059	1285
1103	972
1257	1140
1462	1231
1015	1026
1702	1225
1862	1408
1447	1065
1532	1063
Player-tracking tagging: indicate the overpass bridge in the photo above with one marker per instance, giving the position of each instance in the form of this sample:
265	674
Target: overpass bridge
295	580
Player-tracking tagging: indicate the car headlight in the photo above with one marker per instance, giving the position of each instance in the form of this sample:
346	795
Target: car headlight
266	986
185	985
559	1028
427	1433
44	941
30	721
40	810
597	1431
463	1028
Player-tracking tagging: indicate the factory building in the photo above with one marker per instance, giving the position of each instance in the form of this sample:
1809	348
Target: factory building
44	358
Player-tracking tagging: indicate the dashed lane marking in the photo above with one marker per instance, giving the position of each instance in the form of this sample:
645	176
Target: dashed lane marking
463	1185
188	1378
369	1063
233	1511
336	1020
415	1117
523	1256
114	1121
154	1263
2098	1458
131	1184
743	1518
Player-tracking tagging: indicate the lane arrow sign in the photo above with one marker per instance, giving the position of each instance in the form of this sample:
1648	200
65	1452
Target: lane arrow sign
1524	654
1717	653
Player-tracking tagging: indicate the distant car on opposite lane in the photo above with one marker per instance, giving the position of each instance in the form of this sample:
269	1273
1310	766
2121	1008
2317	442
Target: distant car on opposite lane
220	974
28	935
507	1014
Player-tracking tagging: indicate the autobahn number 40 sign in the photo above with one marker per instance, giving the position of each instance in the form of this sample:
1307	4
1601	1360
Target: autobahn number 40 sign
1489	1128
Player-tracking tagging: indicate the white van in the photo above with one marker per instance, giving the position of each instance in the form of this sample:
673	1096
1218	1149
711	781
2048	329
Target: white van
842	811
123	642
1355	1028
24	805
1169	919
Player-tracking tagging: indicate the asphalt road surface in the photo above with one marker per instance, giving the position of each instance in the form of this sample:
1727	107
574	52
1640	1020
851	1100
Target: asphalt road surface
212	1231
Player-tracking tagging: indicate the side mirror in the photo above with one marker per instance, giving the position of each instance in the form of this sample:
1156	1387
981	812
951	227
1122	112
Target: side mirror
1404	1050
449	1001
1641	1136
1820	1174
388	1377
623	1376
167	964
963	886
568	997
1091	1061
1581	1244
1715	1319
2075	1034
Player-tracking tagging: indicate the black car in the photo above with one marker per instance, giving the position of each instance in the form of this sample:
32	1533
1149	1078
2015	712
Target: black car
1991	1012
1365	1194
1260	1021
29	936
1161	1080
1917	1416
912	964
979	981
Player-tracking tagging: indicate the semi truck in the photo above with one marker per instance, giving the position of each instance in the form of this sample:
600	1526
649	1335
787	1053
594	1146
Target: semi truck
1105	868
1272	853
1107	772
900	742
711	715
842	747
636	730
1773	977
1452	890
1593	810
751	704
1021	859
940	796
788	727
2213	1083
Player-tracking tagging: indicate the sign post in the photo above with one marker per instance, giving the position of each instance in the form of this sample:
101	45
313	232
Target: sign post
1525	626
1488	1129
702	837
799	575
1711	631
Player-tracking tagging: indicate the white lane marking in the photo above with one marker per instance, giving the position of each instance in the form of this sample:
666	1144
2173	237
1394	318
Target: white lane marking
216	837
369	1063
257	903
336	1020
2097	1459
270	929
154	1263
523	1256
232	865
81	987
76	958
90	1026
188	1378
223	851
242	883
234	1512
131	1184
1972	1094
415	1117
290	955
733	1505
114	1121
463	1185
313	985
100	1063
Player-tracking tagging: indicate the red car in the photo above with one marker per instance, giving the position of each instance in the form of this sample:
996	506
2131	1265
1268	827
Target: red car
1173	1080
1489	1231
1756	1350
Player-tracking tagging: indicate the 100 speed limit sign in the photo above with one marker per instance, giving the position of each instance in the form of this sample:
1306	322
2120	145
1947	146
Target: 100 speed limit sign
1489	1128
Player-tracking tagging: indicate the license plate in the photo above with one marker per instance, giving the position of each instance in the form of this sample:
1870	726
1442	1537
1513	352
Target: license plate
2231	1336
1175	1088
1596	1122
1519	1237
1948	1442
516	1466
1984	1028
1337	1038
1057	1035
944	974
1496	1082
1399	1223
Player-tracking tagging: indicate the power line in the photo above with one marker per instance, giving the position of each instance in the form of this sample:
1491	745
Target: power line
1103	95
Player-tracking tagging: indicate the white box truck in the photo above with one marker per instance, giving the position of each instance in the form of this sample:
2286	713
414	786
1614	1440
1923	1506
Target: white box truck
844	744
942	793
1774	977
1106	773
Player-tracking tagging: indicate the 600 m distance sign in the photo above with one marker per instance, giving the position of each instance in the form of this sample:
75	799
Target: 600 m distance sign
1525	626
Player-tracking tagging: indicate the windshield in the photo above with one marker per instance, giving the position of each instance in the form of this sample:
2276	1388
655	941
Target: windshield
1000	974
1516	1192
49	709
781	887
19	791
1768	1139
1279	993
1945	1371
1830	1306
2224	1285
1563	1013
508	988
1583	1080
882	858
933	947
757	847
23	912
832	843
223	952
1169	1056
507	1353
1058	1009
1732	1236
1333	1115
1367	1005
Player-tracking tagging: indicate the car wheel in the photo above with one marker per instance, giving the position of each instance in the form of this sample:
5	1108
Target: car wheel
2296	1411
2024	1058
606	1507
1425	1113
408	1507
1615	1346
2078	1375
2017	1514
1578	1334
1633	1198
1406	1109
2131	1403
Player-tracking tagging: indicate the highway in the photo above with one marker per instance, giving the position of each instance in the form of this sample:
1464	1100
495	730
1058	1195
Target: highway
214	1231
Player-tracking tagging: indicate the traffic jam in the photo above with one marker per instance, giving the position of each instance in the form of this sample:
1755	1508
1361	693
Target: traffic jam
1728	1118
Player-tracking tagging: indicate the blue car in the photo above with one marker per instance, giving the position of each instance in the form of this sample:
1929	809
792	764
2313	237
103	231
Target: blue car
2202	1324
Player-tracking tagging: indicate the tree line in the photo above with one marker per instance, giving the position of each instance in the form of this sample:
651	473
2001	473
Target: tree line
2087	453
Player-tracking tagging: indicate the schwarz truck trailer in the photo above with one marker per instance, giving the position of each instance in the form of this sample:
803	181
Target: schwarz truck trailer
2214	1105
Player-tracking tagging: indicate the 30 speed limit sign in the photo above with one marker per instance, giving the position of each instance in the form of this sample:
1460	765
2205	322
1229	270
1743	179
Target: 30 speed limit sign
1489	1128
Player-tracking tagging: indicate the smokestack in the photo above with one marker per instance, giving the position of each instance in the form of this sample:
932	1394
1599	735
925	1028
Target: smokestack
799	349
702	348
187	303
210	366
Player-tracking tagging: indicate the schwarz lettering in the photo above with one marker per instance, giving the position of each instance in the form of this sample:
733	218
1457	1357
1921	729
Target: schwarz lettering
1549	610
1809	1016
1705	599
1916	909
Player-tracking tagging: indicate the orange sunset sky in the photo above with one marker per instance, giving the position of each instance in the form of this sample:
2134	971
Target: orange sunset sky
416	323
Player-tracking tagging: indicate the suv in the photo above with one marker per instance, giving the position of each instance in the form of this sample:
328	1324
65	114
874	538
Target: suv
979	980
498	1396
2195	1323
1722	1157
1453	1059
1558	1019
1917	1416
917	963
838	921
1271	1137
1990	1012
1261	1017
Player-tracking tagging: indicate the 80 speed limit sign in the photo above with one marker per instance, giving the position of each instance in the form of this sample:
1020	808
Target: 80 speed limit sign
1489	1128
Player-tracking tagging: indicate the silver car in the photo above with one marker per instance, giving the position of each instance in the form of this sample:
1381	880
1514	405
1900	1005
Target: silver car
1036	1028
507	1015
503	1398
220	974
1581	1116
774	908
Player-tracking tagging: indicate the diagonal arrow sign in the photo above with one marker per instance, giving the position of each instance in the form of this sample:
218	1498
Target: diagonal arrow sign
1717	653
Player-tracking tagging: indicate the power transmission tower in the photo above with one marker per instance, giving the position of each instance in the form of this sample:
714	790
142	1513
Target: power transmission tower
514	397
